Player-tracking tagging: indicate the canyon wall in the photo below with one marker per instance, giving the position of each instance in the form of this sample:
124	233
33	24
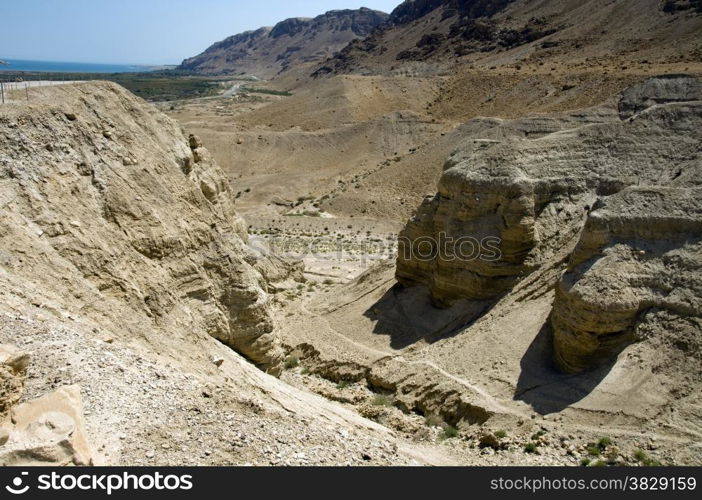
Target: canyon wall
111	213
611	193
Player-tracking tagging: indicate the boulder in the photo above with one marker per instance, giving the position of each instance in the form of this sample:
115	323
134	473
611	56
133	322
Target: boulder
48	430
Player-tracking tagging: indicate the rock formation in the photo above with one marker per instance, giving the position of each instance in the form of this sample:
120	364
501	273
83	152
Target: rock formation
13	367
636	272
111	212
47	430
613	191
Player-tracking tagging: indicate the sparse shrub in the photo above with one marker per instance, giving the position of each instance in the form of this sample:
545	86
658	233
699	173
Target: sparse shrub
593	451
530	448
450	432
383	400
254	90
328	281
291	362
599	463
537	435
645	460
343	384
501	434
305	371
585	462
603	443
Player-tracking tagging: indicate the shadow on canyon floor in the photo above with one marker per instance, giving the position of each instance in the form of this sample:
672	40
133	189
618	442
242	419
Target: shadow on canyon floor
408	316
547	389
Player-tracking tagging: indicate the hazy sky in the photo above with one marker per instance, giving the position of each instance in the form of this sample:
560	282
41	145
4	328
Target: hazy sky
142	31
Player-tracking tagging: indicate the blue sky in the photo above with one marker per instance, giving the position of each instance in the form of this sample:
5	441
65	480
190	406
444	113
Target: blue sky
142	31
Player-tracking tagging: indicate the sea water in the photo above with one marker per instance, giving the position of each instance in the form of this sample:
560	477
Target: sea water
70	67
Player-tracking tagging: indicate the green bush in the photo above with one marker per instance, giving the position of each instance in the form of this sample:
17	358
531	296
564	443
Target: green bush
650	462
450	432
501	434
585	462
291	362
343	384
537	435
593	451
530	448
645	460
253	90
603	443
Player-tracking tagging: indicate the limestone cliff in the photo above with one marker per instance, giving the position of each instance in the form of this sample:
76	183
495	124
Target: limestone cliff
627	172
636	272
110	213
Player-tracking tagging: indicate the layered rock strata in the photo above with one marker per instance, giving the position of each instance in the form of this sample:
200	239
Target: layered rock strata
111	212
515	196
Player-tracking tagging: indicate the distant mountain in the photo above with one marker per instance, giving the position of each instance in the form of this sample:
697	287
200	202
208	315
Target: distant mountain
268	51
431	36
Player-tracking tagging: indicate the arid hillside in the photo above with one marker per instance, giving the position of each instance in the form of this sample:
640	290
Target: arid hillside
294	42
569	130
125	274
433	37
579	326
466	233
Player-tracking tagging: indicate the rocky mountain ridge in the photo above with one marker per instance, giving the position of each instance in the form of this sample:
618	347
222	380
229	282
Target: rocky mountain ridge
267	51
429	37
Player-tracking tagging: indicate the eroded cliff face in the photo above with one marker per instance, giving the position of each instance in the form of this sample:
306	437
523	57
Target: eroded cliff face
636	272
628	173
110	213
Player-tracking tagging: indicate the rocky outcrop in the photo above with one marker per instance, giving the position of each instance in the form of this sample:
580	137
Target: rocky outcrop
660	90
48	430
514	199
636	270
268	51
413	10
110	212
13	367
